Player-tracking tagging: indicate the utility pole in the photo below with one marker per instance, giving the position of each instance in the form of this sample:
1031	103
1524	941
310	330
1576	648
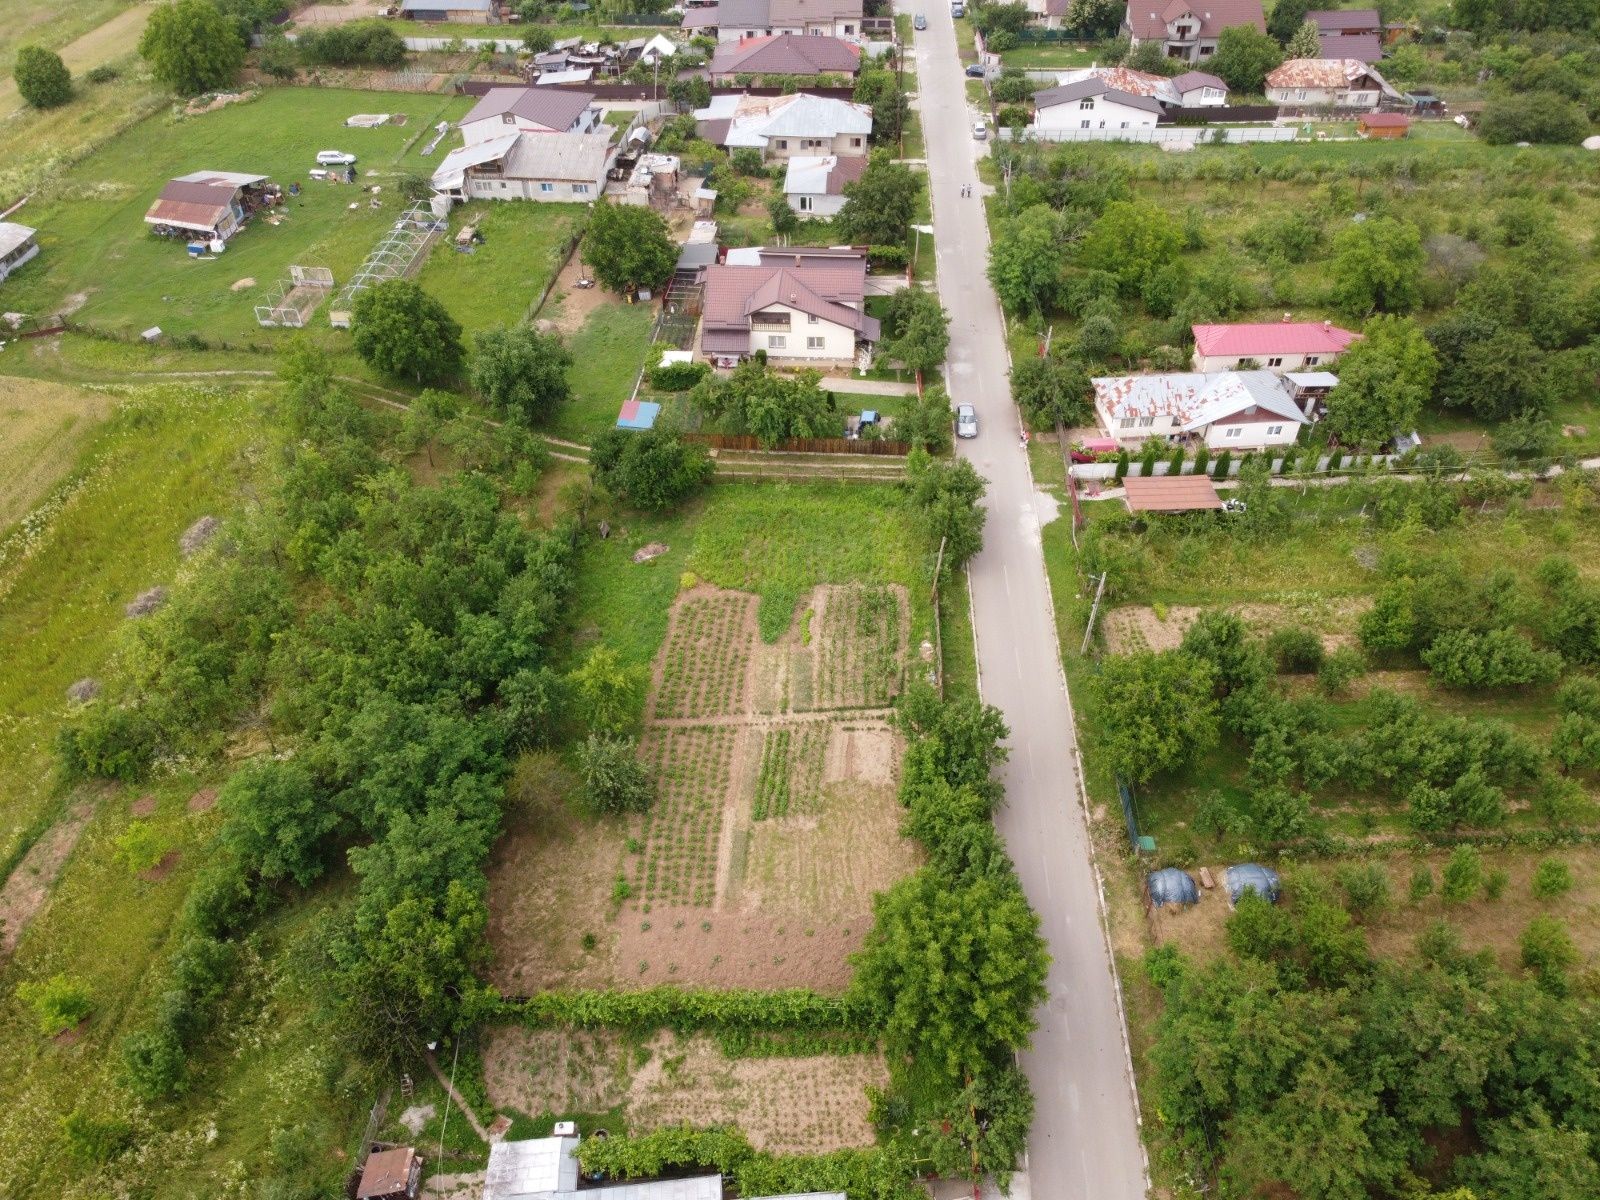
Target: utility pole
1094	611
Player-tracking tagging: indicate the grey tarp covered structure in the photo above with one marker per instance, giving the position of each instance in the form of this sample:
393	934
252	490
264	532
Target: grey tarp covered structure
1251	877
1172	886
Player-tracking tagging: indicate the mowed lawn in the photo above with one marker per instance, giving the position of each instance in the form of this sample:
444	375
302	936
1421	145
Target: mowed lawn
42	429
498	281
97	250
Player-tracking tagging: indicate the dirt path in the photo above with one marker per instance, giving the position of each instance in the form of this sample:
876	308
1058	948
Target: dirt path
466	1111
28	886
116	37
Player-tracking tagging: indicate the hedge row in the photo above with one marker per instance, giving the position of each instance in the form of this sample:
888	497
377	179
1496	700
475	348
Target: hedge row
691	1010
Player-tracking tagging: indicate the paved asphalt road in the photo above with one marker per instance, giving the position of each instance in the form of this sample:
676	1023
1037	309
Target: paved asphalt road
1085	1143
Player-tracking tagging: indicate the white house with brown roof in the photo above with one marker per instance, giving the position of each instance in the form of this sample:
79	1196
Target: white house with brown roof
1197	89
1233	410
784	54
1279	346
1328	83
1093	104
1188	29
814	186
735	19
785	126
506	110
802	305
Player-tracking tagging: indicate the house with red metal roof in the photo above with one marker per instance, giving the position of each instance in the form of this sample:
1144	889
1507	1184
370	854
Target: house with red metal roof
1328	83
1188	29
1281	346
799	304
784	54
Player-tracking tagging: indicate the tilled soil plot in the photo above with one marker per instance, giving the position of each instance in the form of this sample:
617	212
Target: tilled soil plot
1135	627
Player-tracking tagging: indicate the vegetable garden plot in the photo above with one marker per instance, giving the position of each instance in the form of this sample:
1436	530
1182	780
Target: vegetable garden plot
790	780
692	767
858	658
704	665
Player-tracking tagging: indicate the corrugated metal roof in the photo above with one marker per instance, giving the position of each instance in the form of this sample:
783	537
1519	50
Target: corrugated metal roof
1182	493
1068	93
1346	20
1384	120
386	1172
1191	81
824	176
1368	47
13	236
1331	73
553	110
1194	399
1281	337
824	283
786	54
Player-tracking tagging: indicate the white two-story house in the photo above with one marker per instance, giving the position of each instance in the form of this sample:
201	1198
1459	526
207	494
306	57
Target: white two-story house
1278	346
506	110
1346	83
1188	29
804	305
784	127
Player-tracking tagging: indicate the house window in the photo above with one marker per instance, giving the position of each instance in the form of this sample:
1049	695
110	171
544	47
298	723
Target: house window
1125	423
805	203
1235	431
855	143
580	189
1146	422
777	341
1275	362
812	318
1124	125
547	187
849	29
1274	430
509	118
1086	103
816	343
1205	51
783	143
1313	359
1084	124
1300	94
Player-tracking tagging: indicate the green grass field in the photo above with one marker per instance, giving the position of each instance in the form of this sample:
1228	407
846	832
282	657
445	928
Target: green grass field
1045	57
607	353
96	247
42	23
496	284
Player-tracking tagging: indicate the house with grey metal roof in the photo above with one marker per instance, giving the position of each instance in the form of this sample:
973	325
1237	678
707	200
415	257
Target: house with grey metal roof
814	186
1093	103
558	167
459	12
784	126
1238	410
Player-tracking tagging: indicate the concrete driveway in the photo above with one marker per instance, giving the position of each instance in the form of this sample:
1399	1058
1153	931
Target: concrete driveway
1085	1143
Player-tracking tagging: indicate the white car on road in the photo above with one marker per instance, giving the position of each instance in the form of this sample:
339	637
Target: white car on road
966	421
335	158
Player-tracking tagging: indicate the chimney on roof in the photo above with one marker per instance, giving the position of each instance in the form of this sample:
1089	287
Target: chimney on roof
793	297
1286	317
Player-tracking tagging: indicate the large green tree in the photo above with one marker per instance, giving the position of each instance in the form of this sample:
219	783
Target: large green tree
1025	260
1384	379
276	819
521	372
1157	712
649	468
403	331
880	206
42	78
953	970
192	47
1287	18
1244	58
1052	389
1377	267
890	108
1131	240
944	504
1306	42
916	330
629	246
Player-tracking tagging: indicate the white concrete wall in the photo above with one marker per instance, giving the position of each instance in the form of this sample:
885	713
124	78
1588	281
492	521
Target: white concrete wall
808	205
1314	97
1251	435
1195	134
1291	362
1208	97
1102	114
846	145
561	191
838	341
